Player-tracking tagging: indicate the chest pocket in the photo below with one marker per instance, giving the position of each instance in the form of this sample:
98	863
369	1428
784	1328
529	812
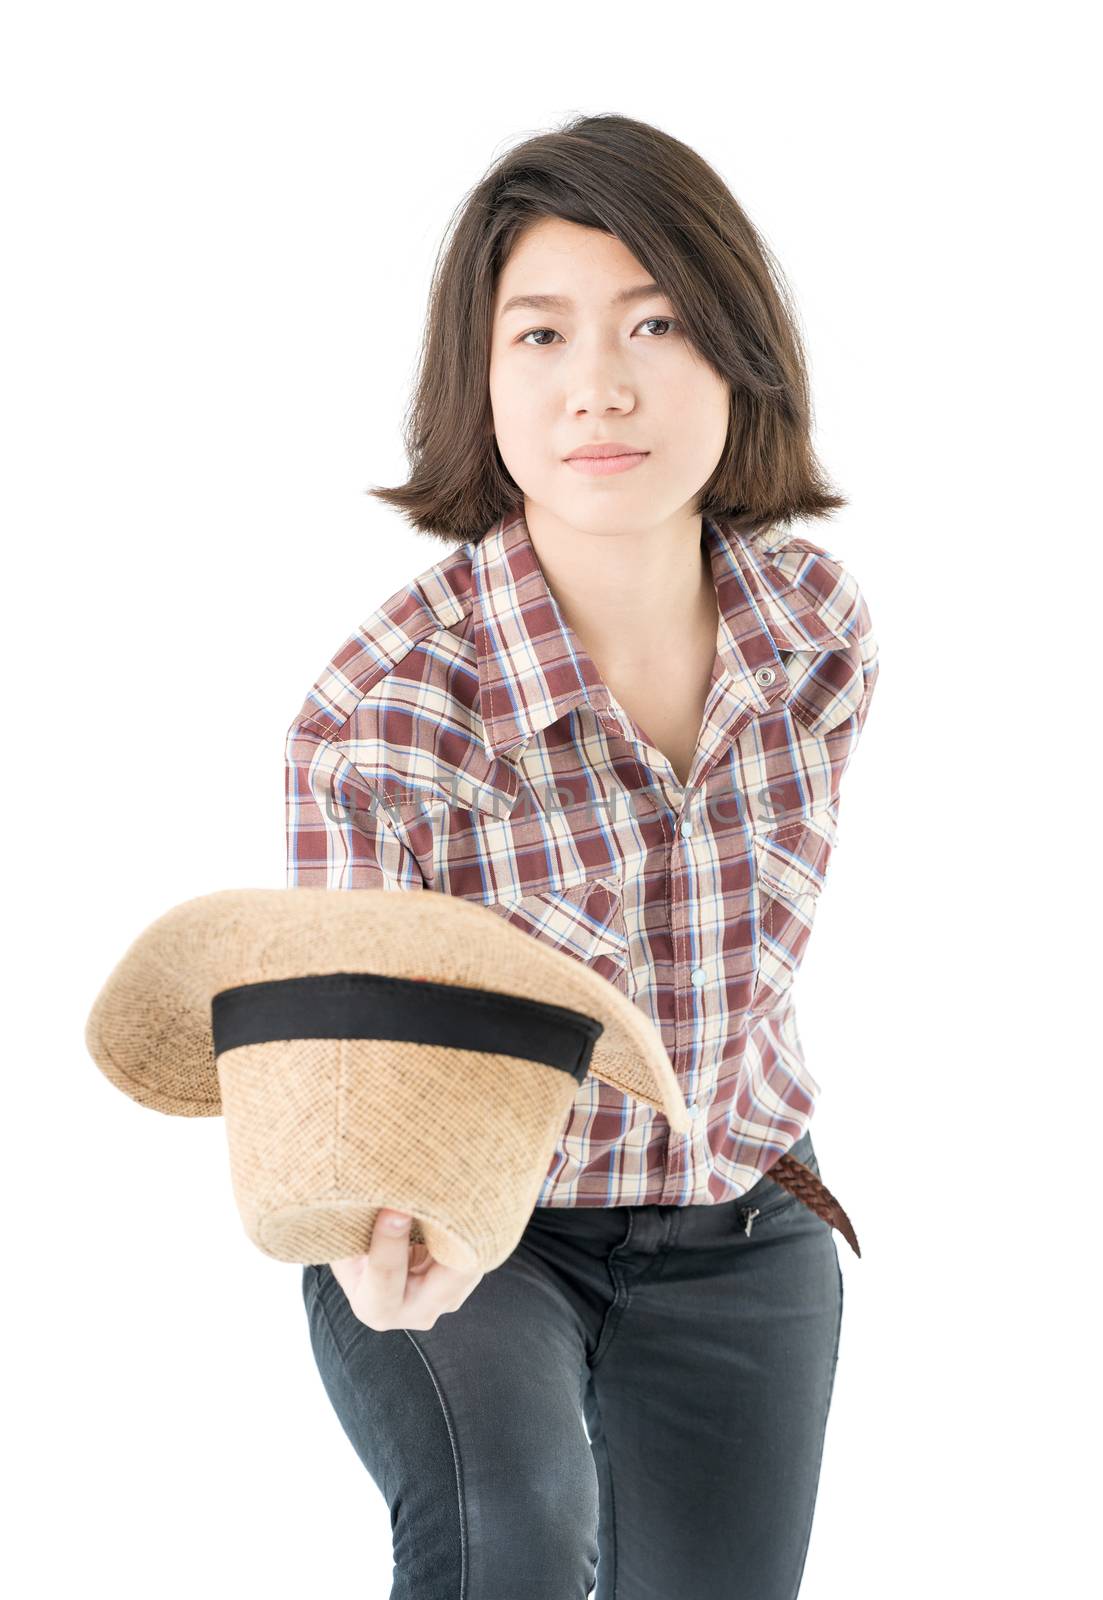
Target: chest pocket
584	921
791	862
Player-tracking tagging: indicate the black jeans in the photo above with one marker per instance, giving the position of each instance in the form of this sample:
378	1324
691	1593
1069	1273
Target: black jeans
636	1397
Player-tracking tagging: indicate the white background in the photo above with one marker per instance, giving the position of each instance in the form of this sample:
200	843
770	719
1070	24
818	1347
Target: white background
220	224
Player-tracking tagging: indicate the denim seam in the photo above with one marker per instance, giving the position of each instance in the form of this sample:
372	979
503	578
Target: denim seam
654	1270
823	1430
448	1422
321	1299
660	1263
616	1310
612	1514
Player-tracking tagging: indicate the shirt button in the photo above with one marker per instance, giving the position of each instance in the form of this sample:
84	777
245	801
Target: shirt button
687	829
765	676
697	976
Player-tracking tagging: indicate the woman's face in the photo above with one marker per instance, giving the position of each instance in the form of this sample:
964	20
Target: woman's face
594	369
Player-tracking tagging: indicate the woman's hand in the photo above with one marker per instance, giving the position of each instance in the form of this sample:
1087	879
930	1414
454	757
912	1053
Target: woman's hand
397	1284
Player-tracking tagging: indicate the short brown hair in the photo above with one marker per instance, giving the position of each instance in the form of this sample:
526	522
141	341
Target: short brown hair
683	225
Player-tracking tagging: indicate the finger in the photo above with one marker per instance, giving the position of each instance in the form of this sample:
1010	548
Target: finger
389	1253
431	1291
420	1259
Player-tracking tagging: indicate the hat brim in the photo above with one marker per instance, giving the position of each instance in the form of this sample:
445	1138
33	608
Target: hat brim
150	1028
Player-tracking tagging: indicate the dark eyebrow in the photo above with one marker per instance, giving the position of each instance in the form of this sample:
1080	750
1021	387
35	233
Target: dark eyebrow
561	302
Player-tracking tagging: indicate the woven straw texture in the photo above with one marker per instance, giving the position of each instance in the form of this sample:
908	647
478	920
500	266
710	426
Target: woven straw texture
322	1133
149	1029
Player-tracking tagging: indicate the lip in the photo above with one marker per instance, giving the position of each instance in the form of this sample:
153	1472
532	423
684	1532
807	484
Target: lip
603	466
606	447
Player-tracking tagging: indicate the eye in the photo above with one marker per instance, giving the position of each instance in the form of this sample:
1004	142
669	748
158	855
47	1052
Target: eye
670	322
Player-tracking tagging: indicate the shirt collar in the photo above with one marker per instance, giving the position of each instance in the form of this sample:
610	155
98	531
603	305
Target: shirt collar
534	669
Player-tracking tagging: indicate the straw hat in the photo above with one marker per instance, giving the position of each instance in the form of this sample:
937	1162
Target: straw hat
368	1050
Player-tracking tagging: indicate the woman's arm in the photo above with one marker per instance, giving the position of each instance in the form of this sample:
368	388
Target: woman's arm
338	835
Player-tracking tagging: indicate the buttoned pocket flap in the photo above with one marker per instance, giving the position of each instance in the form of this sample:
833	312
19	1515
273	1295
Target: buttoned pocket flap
791	865
585	921
792	858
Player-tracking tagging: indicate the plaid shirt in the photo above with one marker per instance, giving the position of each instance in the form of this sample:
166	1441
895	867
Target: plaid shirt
462	740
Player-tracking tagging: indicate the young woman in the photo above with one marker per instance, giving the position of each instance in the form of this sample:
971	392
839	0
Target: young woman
618	713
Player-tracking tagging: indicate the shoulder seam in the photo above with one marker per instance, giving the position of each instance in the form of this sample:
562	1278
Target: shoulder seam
376	676
442	608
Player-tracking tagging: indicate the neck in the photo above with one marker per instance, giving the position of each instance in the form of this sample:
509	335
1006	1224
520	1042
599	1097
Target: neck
627	595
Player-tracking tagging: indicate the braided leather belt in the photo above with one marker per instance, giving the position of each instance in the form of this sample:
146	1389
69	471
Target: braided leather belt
801	1181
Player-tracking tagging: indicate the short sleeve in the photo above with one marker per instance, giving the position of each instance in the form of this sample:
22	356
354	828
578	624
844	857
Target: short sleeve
339	836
